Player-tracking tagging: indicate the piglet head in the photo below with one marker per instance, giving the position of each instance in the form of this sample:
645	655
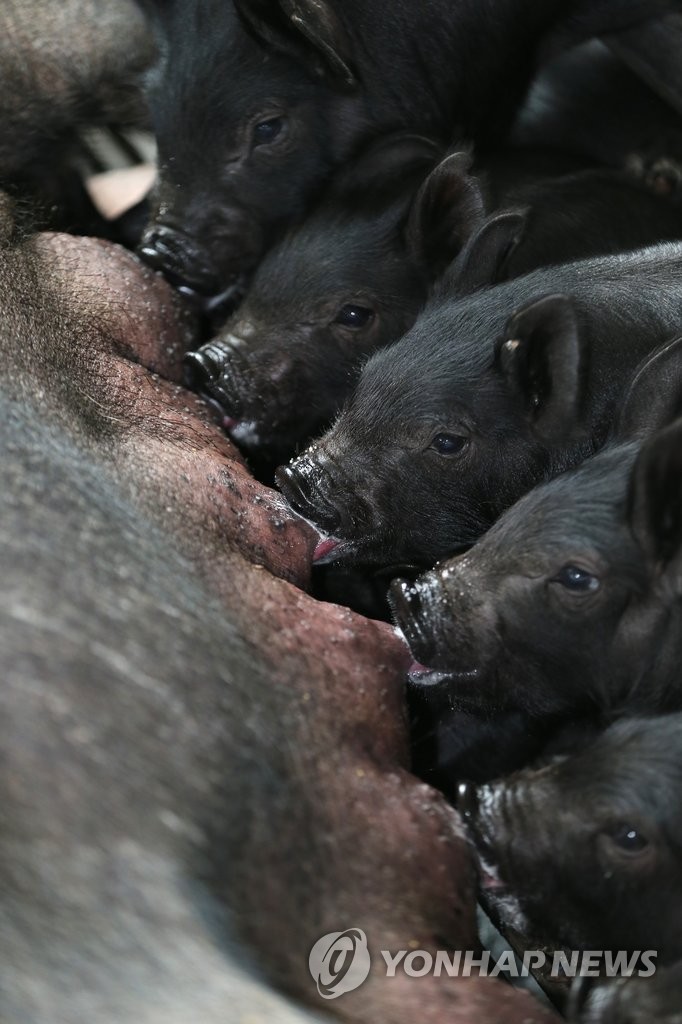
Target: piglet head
584	851
345	282
240	160
571	599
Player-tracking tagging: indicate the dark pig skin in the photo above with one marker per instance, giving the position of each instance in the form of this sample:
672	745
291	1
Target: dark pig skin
630	1000
566	609
64	67
590	103
492	391
346	281
275	96
584	851
204	770
351	278
570	602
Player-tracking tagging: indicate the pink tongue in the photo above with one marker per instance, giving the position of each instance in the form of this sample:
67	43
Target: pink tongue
324	548
229	423
490	881
417	669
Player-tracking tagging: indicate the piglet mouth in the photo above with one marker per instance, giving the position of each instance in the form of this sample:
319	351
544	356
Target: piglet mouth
352	552
324	552
489	878
422	675
330	550
239	430
244	431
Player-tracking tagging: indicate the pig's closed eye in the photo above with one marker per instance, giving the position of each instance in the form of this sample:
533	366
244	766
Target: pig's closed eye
449	444
354	316
576	579
266	132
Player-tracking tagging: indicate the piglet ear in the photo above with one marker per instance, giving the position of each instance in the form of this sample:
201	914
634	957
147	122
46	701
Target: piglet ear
308	30
539	356
481	262
655	395
445	212
655	500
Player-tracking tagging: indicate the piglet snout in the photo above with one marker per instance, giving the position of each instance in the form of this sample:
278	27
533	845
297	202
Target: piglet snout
301	492
201	370
179	258
466	800
406	601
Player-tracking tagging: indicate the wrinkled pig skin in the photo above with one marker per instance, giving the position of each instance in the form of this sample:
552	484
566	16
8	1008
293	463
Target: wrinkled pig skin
203	770
64	66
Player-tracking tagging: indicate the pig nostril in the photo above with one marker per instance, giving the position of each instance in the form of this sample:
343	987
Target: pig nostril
466	800
213	371
200	370
297	490
178	258
291	487
160	248
152	257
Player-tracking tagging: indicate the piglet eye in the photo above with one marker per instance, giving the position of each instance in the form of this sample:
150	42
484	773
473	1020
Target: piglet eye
354	316
576	579
266	132
628	839
449	444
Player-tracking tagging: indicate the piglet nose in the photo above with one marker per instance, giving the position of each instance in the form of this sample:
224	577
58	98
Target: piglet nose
288	482
201	370
301	495
466	800
293	486
405	598
165	248
180	259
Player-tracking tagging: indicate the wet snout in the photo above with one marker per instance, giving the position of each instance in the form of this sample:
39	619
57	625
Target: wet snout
308	486
513	823
466	801
471	801
480	808
409	602
448	627
254	385
217	371
179	258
